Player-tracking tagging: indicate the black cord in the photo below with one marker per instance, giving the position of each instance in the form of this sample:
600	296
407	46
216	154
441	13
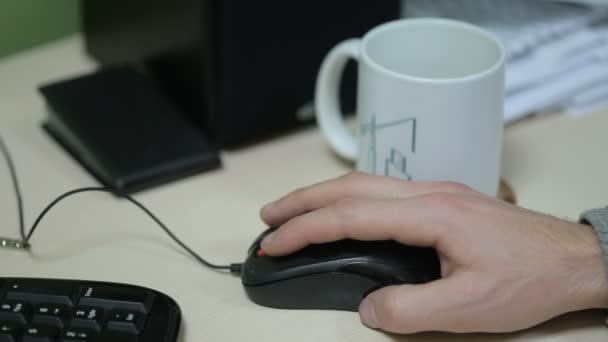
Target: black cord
233	268
13	173
135	202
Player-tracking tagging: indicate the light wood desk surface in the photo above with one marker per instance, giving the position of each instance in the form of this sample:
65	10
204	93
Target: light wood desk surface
555	164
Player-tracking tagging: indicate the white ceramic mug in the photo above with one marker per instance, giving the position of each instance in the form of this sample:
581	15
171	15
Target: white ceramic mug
429	103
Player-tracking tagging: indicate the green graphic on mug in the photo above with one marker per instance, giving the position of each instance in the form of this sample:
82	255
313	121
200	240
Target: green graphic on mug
395	159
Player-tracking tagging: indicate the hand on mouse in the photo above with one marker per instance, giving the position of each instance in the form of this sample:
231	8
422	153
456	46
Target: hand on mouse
503	268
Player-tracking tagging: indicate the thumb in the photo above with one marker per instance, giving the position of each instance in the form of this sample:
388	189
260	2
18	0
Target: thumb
413	308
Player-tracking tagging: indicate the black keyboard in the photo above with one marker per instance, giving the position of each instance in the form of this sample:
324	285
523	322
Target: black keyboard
50	310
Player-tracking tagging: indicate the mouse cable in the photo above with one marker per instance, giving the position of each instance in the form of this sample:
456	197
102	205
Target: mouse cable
24	243
13	175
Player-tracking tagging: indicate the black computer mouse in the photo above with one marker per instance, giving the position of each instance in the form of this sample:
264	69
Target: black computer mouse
335	275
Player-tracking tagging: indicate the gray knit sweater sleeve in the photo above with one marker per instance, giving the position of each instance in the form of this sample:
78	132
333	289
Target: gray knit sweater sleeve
598	218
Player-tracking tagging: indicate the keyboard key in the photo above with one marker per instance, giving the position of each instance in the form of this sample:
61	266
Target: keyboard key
14	311
111	298
40	291
78	335
2	282
87	317
118	336
51	314
40	333
88	312
126	321
9	332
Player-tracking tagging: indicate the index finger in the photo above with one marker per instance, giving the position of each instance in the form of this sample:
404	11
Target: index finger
354	184
412	221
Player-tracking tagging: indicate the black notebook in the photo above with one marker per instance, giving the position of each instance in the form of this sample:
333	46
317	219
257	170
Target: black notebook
120	126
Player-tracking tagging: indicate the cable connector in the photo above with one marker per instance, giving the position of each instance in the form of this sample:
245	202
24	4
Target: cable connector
236	268
14	244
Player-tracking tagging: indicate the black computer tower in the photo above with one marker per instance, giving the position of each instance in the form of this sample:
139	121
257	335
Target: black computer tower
238	69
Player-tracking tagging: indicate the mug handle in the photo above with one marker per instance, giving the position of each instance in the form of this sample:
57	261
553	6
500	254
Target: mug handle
327	103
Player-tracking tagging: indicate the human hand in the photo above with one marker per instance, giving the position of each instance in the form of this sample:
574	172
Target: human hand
503	268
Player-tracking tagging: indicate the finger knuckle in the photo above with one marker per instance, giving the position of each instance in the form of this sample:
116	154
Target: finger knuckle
354	177
444	201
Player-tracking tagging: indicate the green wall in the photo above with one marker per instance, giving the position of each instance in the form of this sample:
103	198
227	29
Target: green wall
27	23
